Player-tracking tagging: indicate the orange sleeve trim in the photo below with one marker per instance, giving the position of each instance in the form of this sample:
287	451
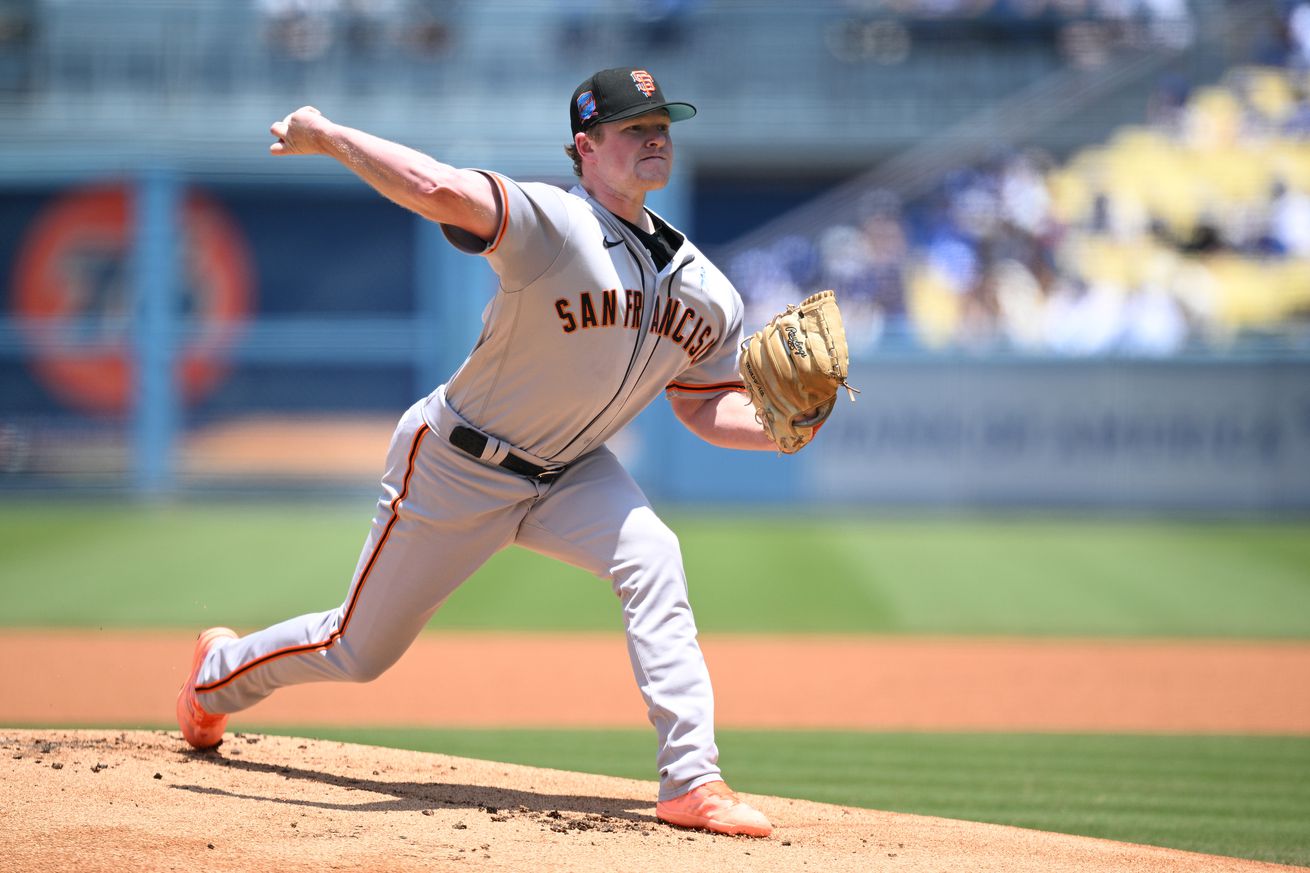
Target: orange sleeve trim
504	214
309	648
716	388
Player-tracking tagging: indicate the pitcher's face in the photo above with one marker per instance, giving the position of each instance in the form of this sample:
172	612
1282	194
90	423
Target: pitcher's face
636	154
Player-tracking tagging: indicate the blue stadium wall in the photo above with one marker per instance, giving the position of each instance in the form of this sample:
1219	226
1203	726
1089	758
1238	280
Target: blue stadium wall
356	306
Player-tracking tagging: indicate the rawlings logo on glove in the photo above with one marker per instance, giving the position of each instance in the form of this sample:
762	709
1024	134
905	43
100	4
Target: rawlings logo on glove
793	367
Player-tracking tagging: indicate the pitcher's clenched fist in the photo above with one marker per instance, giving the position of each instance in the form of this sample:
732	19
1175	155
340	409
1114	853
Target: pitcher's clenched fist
298	133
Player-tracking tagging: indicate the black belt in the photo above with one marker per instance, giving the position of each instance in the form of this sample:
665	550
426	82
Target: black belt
469	440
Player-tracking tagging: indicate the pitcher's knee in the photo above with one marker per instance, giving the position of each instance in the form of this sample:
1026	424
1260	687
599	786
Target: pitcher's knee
362	666
651	554
367	672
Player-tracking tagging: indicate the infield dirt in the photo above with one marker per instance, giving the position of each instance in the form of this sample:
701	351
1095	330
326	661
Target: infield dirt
451	679
113	801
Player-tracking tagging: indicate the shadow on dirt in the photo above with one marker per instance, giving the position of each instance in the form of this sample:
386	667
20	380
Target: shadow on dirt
501	804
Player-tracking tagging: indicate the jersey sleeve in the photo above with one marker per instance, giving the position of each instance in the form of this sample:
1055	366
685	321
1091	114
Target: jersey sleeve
715	370
534	227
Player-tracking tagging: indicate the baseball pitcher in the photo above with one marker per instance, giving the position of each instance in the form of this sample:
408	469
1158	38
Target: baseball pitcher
601	307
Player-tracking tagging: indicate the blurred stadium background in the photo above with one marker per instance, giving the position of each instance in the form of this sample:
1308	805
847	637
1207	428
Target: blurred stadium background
1072	239
1072	236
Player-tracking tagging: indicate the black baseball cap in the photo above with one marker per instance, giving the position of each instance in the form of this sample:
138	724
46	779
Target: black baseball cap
623	92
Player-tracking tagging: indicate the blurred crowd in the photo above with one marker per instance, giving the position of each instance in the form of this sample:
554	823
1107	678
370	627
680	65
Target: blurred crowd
367	34
1027	9
1087	32
366	31
1193	228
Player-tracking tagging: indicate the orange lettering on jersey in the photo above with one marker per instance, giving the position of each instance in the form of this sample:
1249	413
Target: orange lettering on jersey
609	305
562	310
588	311
670	313
703	343
687	315
638	303
691	337
668	317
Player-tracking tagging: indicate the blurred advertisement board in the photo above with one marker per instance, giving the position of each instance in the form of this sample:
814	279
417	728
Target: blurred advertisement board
1156	434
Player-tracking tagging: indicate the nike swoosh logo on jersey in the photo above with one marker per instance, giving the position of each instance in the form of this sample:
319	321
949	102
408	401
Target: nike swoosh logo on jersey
611	243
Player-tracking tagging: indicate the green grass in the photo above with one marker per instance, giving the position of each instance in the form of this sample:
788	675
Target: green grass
1240	796
249	565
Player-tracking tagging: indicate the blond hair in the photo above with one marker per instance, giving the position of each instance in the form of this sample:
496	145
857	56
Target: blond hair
595	134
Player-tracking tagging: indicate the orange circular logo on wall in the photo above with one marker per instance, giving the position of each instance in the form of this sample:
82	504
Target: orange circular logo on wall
73	291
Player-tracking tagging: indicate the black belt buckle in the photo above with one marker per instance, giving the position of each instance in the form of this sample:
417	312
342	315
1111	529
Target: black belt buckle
549	474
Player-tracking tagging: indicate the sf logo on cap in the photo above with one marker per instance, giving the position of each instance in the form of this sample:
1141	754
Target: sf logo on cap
645	84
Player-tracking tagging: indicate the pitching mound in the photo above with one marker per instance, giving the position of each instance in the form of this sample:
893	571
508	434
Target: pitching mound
113	801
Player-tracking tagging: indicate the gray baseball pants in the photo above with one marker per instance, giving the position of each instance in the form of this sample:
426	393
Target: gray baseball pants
442	514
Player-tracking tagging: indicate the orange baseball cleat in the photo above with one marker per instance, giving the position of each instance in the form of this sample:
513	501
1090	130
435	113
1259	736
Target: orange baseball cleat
201	729
714	807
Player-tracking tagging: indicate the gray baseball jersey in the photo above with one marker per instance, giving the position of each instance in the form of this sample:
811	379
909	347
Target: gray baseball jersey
583	333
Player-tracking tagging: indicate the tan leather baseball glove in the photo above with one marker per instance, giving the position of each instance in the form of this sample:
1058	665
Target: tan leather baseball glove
793	367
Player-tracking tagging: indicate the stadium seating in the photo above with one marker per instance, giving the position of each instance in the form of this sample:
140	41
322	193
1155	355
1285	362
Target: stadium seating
1190	229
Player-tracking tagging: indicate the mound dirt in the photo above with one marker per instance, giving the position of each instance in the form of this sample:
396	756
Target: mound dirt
112	801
